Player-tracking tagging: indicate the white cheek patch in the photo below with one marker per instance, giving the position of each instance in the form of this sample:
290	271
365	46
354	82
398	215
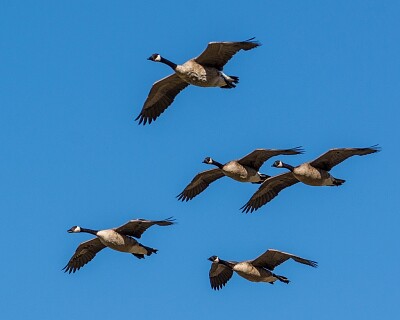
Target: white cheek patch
158	58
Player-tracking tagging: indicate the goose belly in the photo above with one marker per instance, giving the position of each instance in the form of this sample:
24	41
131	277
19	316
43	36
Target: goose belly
200	76
241	173
252	273
117	241
312	176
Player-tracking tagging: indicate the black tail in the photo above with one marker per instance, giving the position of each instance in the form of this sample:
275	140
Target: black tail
282	278
230	82
338	182
235	79
149	250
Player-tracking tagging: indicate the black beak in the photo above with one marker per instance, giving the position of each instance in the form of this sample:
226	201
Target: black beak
69	230
150	58
210	259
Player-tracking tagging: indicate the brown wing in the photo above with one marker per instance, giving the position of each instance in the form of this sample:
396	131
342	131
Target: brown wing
200	183
219	275
85	252
135	228
257	158
335	156
161	95
269	190
272	258
217	54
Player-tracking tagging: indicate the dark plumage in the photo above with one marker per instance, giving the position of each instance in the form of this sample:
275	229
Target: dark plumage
120	239
314	173
257	270
203	71
242	170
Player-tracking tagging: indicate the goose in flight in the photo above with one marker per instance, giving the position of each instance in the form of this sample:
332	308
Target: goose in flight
242	170
313	173
257	270
119	239
203	71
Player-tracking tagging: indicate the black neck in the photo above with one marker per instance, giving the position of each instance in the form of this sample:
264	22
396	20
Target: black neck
287	166
169	63
94	232
226	263
216	163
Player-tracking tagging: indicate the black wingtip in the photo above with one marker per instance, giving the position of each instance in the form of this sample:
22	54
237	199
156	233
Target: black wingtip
314	264
144	119
251	40
170	220
376	148
299	149
247	208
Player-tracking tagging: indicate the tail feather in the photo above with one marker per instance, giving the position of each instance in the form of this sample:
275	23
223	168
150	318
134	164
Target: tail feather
150	251
234	79
338	182
230	81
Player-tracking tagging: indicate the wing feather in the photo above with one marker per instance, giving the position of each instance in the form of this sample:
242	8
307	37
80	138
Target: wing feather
217	54
219	275
85	252
333	157
272	258
135	228
160	97
256	158
199	183
268	190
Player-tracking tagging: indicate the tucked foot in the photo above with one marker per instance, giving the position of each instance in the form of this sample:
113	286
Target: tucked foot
282	278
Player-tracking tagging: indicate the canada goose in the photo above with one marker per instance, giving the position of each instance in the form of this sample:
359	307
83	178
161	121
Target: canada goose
203	71
119	239
242	170
314	173
257	270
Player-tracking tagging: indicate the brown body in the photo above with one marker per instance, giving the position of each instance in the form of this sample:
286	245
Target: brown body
198	75
120	242
255	274
307	174
241	173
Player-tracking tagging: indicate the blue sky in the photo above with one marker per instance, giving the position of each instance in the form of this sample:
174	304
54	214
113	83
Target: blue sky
74	75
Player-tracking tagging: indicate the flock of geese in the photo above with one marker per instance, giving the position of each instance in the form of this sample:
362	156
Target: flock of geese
206	70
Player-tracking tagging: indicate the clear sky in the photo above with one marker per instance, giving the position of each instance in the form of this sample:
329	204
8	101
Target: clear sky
74	75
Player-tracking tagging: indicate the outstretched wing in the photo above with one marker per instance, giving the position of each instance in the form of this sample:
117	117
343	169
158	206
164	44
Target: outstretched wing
272	258
217	54
333	157
199	183
161	95
269	190
85	252
257	158
219	275
135	228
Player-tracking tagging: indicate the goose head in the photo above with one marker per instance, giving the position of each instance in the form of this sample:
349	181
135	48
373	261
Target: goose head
74	229
208	160
154	57
278	164
213	259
